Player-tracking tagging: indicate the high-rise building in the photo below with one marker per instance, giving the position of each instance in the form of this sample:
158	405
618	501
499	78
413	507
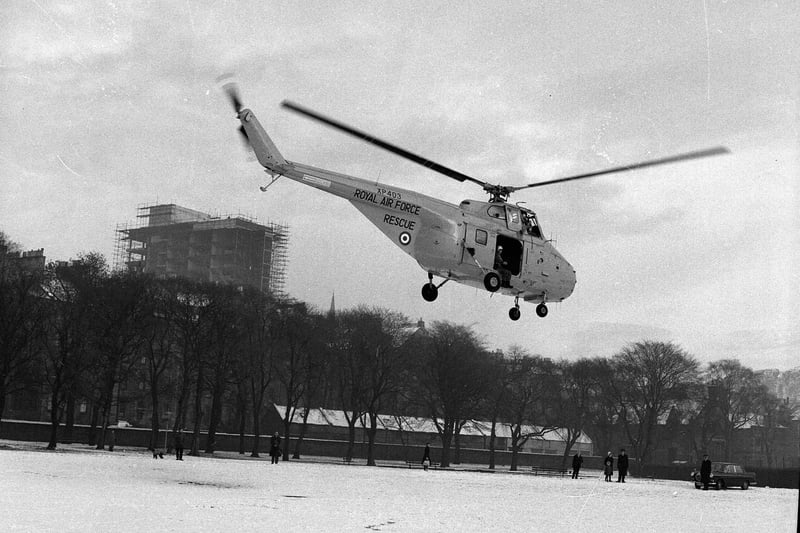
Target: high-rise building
171	241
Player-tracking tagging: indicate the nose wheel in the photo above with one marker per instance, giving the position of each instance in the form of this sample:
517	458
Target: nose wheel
541	310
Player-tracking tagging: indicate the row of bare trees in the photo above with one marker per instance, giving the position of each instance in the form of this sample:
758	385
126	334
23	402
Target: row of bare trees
79	331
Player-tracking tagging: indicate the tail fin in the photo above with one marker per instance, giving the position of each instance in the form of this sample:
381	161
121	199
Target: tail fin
266	151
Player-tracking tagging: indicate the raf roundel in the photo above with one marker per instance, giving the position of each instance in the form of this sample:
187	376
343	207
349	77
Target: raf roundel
405	238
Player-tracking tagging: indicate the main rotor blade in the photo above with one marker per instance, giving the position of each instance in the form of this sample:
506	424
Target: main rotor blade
427	163
717	150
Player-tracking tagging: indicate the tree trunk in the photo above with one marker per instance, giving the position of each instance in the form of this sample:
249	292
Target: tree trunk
216	414
198	413
515	445
287	426
457	442
256	430
492	440
303	429
106	410
372	430
242	427
154	419
2	401
70	422
54	422
351	439
447	437
93	425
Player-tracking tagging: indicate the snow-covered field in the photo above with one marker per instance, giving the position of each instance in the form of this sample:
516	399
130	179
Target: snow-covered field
80	489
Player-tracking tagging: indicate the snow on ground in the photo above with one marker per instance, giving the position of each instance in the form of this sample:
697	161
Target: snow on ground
77	488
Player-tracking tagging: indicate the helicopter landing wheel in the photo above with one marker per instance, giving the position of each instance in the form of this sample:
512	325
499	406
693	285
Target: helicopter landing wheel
514	313
429	292
541	310
492	282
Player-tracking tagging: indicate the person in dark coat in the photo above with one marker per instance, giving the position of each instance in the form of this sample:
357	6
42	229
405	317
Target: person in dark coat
705	472
426	456
112	440
608	466
275	448
622	466
501	265
577	461
179	445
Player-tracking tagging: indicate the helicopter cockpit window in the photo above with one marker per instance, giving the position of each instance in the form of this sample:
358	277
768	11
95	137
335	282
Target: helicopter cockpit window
497	211
531	225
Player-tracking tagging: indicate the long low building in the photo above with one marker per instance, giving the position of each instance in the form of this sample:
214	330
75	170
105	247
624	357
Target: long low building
395	429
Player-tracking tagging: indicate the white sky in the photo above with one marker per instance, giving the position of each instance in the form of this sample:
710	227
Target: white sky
108	106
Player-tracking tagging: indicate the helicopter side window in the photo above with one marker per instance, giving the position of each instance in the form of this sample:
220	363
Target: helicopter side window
481	237
497	211
513	218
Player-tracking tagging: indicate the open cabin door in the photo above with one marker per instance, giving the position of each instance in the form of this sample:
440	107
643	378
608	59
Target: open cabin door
477	250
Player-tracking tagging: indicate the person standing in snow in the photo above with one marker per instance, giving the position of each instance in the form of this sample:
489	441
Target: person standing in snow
112	440
577	461
426	456
179	445
705	472
275	448
622	466
608	466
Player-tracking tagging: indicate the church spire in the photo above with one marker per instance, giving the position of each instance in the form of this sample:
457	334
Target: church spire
332	311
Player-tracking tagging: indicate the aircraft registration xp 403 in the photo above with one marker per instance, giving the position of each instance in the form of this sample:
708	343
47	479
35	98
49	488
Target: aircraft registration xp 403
494	246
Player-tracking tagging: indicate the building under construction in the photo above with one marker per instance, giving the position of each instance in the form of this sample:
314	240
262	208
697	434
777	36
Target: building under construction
171	241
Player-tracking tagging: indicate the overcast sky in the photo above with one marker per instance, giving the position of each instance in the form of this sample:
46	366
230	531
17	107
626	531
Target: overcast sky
107	106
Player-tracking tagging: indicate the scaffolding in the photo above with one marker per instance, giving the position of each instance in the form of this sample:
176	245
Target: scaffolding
171	241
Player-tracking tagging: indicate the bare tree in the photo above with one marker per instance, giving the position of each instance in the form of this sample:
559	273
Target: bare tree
377	339
262	334
191	320
159	346
532	383
348	374
734	391
22	314
226	320
451	381
577	391
649	377
69	290
498	377
775	414
297	324
119	311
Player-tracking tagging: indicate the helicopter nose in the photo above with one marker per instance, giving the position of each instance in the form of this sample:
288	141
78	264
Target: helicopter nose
570	279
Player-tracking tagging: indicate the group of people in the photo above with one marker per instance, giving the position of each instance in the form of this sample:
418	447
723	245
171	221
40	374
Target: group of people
608	465
622	466
274	446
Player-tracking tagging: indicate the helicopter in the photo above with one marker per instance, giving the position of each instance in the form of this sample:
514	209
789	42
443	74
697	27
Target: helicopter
491	245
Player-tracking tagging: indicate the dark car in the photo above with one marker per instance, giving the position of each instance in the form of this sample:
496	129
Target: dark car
724	475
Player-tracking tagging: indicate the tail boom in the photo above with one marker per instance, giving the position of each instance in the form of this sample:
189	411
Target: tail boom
266	151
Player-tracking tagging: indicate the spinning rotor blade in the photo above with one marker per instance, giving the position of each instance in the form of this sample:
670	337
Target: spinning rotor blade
427	163
718	150
231	88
